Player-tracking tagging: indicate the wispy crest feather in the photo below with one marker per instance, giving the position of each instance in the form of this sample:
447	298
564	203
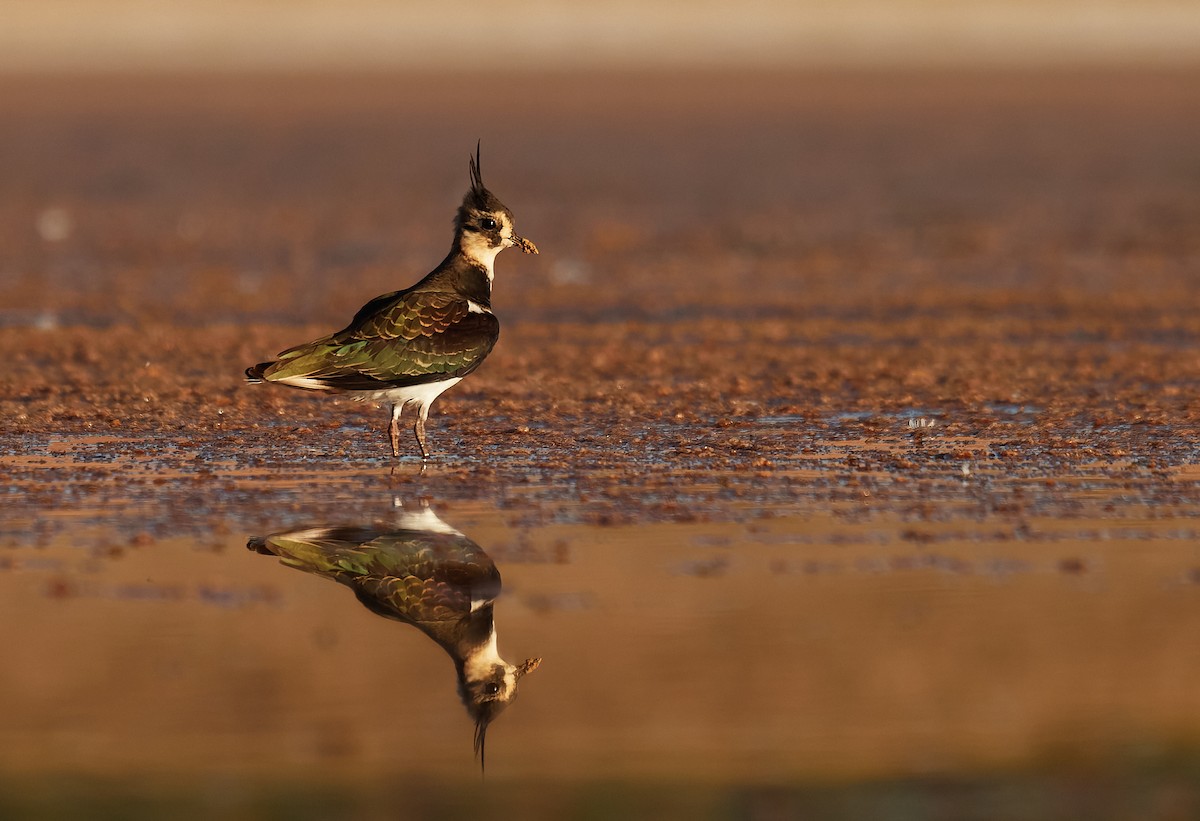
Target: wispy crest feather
477	196
476	176
481	726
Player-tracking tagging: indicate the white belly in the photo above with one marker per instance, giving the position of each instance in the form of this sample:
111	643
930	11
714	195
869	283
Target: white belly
421	395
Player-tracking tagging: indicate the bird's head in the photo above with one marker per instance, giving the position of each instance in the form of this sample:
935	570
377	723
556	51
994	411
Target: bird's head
486	691
484	225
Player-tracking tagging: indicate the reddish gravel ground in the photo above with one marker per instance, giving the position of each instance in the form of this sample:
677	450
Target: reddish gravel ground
761	279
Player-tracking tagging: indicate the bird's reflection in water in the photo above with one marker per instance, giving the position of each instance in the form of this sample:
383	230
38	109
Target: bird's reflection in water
420	571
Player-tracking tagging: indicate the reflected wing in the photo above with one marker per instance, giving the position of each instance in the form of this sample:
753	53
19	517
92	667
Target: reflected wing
411	575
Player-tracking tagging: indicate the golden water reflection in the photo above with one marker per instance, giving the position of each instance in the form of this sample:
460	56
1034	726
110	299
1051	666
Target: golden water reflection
419	570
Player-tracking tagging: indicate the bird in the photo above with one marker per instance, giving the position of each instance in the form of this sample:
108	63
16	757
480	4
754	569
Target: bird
407	347
421	571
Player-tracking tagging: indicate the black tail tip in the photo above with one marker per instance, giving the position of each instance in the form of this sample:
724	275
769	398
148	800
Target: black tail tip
255	372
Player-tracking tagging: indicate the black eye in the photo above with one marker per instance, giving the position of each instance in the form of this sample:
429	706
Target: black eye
487	223
491	689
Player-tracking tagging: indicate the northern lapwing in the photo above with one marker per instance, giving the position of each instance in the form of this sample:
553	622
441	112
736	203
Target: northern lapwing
420	571
407	347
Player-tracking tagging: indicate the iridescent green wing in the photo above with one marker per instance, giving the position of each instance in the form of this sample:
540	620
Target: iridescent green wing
412	575
398	339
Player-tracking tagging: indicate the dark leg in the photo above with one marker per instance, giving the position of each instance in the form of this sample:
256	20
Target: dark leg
420	430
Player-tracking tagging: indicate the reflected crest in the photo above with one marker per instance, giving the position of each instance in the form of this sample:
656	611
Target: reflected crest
419	570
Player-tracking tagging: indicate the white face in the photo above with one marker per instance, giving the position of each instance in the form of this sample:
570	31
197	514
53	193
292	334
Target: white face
485	234
482	668
506	231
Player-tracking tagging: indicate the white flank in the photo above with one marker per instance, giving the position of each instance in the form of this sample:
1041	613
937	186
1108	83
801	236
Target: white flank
421	395
424	519
312	534
475	308
304	382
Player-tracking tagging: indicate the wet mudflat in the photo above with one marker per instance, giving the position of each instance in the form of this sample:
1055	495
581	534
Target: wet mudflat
838	453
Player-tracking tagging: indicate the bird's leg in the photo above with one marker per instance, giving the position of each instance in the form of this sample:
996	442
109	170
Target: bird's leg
394	429
419	429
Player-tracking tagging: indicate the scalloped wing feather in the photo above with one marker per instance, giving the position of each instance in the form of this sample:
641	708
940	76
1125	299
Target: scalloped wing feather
408	339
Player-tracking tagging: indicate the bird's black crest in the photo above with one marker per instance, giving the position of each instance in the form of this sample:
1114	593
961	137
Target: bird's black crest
476	178
481	726
478	197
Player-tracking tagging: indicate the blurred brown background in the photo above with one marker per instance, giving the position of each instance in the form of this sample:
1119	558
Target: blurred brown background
241	34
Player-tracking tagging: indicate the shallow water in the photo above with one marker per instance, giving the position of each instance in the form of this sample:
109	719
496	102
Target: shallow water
1016	630
879	618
